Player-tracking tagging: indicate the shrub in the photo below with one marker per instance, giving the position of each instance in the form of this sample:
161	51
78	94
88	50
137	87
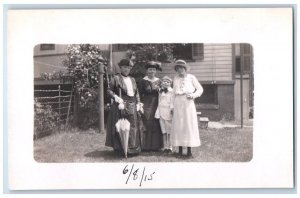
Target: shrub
82	62
45	120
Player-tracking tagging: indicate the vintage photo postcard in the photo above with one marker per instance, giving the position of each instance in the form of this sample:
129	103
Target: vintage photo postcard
150	98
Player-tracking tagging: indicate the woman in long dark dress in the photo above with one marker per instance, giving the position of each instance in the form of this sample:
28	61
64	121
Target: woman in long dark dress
152	139
123	90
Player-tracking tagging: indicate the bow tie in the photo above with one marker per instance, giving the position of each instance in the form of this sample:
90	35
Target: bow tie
164	90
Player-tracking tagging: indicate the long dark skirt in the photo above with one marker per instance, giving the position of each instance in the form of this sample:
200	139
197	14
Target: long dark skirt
152	139
112	136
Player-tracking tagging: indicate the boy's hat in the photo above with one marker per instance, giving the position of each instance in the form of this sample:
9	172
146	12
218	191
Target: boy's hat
166	78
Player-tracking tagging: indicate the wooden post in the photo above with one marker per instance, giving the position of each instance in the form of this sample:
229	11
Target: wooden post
70	101
101	98
241	83
75	109
110	69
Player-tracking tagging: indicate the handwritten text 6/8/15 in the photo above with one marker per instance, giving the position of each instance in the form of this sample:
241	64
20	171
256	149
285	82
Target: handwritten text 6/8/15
135	174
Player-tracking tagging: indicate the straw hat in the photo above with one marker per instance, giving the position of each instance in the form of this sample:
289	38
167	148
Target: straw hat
181	63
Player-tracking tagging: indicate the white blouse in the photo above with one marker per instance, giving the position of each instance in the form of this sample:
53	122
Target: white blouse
129	86
187	85
151	80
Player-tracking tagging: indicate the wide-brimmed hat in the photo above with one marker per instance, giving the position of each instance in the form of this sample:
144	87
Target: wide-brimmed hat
167	78
181	63
125	62
153	64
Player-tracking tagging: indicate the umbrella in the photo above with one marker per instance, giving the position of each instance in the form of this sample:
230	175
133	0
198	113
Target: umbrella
123	127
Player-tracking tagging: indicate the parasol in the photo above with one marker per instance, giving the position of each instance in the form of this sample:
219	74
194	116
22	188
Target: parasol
123	127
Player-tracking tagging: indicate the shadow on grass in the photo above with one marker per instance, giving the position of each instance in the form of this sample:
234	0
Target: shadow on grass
108	155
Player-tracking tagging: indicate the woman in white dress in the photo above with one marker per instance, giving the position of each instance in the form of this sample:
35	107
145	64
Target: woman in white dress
185	132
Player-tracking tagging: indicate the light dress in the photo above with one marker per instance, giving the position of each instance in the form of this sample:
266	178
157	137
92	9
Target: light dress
185	130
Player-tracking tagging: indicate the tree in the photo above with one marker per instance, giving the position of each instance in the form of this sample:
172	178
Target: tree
140	54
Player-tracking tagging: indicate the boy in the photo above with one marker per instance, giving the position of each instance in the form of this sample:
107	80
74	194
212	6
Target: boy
164	111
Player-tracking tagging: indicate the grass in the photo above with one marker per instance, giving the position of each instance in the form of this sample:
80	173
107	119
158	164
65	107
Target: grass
217	145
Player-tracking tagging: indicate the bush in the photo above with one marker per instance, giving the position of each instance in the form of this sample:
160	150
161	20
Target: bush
45	120
82	62
88	115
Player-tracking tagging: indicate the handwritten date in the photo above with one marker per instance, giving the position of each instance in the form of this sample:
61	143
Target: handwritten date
137	174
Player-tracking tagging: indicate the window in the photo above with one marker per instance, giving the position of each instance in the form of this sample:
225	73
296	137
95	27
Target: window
47	47
209	95
183	51
198	51
188	52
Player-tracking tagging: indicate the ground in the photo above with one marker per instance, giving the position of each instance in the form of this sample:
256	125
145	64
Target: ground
217	145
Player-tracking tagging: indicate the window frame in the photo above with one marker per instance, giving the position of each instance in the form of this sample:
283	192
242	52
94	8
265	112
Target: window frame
47	46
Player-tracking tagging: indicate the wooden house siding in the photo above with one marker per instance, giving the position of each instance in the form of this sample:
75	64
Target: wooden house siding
48	64
215	66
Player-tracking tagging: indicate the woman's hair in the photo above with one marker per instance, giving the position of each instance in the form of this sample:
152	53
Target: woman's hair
177	66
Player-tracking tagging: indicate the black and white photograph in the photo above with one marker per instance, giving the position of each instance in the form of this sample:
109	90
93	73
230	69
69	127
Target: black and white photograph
161	102
150	98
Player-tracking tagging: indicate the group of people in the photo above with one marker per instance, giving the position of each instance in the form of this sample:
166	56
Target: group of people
161	112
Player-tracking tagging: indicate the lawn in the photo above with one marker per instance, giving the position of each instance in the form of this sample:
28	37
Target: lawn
217	145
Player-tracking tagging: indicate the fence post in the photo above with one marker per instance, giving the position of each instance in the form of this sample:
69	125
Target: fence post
70	101
75	109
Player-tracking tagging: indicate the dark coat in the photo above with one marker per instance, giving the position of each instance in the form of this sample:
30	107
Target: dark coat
118	87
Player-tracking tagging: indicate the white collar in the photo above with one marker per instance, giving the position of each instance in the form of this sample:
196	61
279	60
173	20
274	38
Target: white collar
151	80
125	77
186	76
